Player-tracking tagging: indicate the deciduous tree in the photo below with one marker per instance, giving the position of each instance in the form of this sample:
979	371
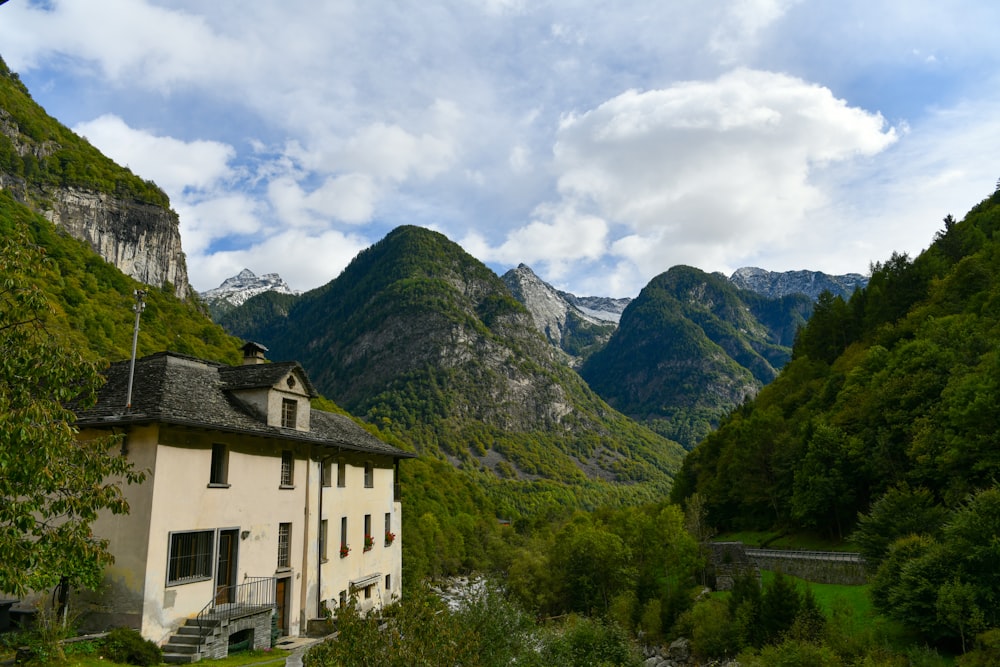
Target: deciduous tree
52	485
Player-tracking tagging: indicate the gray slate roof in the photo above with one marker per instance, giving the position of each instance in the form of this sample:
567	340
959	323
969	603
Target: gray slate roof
177	389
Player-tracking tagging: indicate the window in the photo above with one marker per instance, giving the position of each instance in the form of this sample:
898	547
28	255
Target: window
287	467
343	532
219	473
388	582
368	592
323	532
343	599
288	409
388	523
190	557
284	545
325	473
341	473
369	540
369	475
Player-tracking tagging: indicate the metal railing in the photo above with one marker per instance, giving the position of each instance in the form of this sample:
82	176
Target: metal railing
253	595
803	554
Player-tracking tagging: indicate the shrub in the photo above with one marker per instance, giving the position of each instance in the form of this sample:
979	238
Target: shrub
127	646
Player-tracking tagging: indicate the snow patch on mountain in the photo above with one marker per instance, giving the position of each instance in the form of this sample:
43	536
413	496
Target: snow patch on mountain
244	285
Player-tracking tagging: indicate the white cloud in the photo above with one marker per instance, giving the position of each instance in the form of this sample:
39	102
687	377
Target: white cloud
129	42
701	170
558	235
175	165
303	259
740	24
226	215
349	198
510	124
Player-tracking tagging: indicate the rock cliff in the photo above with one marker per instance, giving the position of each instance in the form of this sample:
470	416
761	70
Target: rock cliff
569	328
142	240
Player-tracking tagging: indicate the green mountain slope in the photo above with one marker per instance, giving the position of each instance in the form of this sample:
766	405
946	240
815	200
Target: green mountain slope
92	301
428	345
37	148
426	342
897	385
690	348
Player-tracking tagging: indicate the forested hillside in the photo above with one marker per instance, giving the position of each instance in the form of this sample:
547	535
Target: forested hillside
91	301
690	348
424	342
888	409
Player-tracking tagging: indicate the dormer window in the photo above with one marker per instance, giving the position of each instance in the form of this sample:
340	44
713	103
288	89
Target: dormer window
289	407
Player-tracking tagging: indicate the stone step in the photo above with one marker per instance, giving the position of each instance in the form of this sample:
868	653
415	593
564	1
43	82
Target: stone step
180	658
193	631
171	647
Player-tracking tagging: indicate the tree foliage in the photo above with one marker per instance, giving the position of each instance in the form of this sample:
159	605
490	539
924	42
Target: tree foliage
895	388
52	485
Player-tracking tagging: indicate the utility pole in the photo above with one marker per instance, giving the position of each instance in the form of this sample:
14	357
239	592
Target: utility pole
138	308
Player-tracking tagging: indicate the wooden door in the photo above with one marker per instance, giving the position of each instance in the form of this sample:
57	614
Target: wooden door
225	575
281	598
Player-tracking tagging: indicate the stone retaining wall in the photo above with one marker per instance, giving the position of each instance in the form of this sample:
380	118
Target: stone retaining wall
844	569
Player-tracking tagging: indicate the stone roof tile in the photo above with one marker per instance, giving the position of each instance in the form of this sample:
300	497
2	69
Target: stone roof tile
177	389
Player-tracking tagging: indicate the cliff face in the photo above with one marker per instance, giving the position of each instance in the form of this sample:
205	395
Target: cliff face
142	240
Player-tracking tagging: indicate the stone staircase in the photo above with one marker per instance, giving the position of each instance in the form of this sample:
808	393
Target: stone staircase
190	641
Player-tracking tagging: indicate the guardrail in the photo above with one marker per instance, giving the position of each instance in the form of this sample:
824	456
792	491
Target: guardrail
802	554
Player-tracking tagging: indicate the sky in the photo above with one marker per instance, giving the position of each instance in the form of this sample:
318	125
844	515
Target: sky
600	143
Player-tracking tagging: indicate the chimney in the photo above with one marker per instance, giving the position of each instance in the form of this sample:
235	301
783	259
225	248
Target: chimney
253	353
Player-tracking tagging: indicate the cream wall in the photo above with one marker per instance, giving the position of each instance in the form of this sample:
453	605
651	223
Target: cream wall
183	501
176	497
355	501
120	599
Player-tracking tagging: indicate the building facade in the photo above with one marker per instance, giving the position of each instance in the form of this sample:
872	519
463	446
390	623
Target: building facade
251	498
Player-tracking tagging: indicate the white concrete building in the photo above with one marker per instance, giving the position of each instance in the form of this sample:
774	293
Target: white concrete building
253	501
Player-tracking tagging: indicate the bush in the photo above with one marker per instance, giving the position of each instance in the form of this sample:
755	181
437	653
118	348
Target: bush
127	646
587	642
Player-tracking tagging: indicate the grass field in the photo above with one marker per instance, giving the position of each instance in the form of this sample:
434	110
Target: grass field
832	596
245	659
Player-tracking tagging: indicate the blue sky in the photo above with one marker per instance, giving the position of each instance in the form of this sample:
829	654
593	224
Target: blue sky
599	143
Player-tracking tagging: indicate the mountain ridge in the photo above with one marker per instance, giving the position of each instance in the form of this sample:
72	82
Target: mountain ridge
58	174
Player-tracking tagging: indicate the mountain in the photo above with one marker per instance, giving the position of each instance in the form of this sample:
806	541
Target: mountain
48	168
690	348
604	308
775	284
893	390
426	342
569	328
236	290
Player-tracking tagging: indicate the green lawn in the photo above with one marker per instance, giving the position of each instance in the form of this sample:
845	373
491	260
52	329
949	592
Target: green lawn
832	596
245	659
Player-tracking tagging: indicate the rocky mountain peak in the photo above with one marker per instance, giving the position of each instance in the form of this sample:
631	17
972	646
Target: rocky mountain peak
246	284
774	284
568	327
